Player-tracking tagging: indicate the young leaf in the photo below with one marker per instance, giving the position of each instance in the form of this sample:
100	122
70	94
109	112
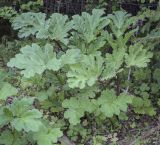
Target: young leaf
110	104
34	59
138	56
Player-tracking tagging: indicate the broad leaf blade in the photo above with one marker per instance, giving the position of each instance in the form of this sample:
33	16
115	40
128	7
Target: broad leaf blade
35	60
7	90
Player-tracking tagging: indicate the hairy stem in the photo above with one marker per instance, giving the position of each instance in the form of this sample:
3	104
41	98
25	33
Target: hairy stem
128	79
117	86
59	45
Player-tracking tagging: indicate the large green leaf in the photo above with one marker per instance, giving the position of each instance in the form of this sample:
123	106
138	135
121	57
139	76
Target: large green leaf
8	138
31	24
35	59
138	56
59	26
55	28
113	63
71	56
24	117
47	136
76	108
89	26
86	72
5	116
110	104
143	106
120	22
28	121
88	35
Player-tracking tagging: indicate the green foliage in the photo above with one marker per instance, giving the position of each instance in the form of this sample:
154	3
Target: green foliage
89	26
156	74
76	108
108	103
7	13
12	138
34	59
89	29
59	27
143	106
36	25
4	93
54	28
138	56
120	22
21	115
28	121
111	104
99	140
87	69
113	63
72	56
32	5
47	136
86	72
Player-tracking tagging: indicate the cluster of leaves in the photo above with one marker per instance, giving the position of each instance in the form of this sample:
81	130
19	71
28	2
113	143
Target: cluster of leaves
21	119
32	6
78	66
7	13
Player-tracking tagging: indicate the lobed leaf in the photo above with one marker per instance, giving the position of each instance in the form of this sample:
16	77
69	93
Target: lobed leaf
35	60
8	138
85	72
76	108
54	28
113	63
138	56
47	136
110	104
89	26
6	90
